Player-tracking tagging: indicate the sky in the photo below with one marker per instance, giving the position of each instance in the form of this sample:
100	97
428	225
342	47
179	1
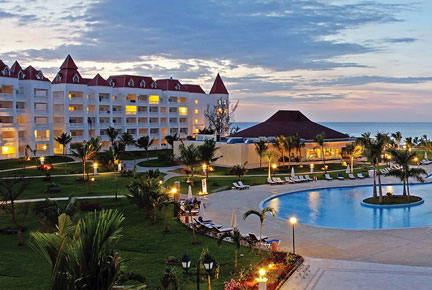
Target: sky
333	60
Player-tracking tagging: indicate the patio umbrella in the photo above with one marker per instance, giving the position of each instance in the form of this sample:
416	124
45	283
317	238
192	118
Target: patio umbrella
190	193
201	211
425	155
348	169
234	223
292	172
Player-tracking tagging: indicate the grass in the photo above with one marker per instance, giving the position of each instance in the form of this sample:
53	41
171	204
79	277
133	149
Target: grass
395	199
143	247
131	155
20	163
59	169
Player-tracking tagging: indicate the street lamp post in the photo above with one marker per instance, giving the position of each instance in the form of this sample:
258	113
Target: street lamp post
208	266
186	263
293	221
95	167
42	160
274	166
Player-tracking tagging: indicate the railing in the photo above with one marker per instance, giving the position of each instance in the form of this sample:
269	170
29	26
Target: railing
42	138
76	124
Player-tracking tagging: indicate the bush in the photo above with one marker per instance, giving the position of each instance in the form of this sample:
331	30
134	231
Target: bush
166	158
52	187
89	206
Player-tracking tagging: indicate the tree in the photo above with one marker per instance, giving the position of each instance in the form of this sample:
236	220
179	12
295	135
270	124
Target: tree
299	144
261	215
260	148
397	136
127	139
289	145
240	170
236	238
63	139
10	190
279	144
112	134
110	158
83	256
189	156
414	173
50	210
144	142
320	139
409	143
373	151
207	152
171	138
166	204
146	193
353	151
220	117
85	151
269	156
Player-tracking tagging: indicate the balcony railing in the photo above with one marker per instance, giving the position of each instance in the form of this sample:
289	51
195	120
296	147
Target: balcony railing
76	124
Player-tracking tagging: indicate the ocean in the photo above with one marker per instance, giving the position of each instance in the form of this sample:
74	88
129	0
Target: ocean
355	129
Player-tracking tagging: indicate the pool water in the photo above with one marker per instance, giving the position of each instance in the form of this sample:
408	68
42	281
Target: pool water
341	208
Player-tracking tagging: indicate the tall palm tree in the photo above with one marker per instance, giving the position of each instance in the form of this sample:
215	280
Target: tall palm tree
112	134
289	145
85	151
373	151
127	139
144	142
236	238
260	148
171	138
239	170
63	139
353	151
269	156
409	143
299	144
279	144
189	156
398	138
261	215
416	173
320	139
83	256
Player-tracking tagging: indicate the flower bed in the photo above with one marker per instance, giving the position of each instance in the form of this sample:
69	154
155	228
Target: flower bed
278	268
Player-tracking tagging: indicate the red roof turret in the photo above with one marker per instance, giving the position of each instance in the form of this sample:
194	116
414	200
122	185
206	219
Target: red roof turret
69	73
218	86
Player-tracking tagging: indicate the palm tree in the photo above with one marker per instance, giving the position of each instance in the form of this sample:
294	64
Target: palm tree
415	173
236	238
353	151
240	170
189	156
289	146
279	144
320	139
207	152
398	138
409	143
261	215
373	151
85	151
171	138
127	139
144	142
83	256
112	134
260	148
299	144
166	204
268	156
63	139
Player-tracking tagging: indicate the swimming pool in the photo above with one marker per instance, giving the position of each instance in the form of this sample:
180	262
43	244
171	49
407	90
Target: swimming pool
341	207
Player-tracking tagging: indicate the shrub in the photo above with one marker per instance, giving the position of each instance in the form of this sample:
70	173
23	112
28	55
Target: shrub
52	187
166	158
89	206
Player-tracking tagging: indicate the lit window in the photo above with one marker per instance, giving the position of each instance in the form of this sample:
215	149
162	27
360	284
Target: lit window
196	111
183	111
196	130
154	99
71	108
47	133
35	133
70	96
196	121
44	147
131	110
196	102
5	149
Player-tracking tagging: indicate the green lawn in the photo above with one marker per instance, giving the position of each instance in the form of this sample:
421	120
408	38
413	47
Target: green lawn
143	247
131	155
19	162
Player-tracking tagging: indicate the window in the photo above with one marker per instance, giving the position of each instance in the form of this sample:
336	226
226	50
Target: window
154	85
112	83
21	74
6	71
39	76
75	78
196	102
154	99
196	111
196	121
58	77
177	87
183	111
131	83
131	110
71	108
142	84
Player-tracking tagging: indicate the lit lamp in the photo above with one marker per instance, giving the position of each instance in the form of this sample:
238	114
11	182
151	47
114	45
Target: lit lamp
119	166
262	281
186	263
293	221
95	167
42	160
204	168
274	166
173	190
208	266
312	168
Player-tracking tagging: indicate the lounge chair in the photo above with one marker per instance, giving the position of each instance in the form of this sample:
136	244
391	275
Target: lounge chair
296	179
308	178
289	180
279	180
243	185
254	238
237	186
219	231
328	177
201	220
271	182
340	177
275	180
361	176
351	176
301	177
269	243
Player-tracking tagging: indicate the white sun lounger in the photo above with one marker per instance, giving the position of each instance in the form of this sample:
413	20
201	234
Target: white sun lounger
243	185
301	177
308	177
271	182
351	176
279	180
289	180
361	176
328	177
238	186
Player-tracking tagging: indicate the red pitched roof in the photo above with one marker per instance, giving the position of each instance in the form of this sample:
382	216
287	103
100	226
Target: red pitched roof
30	73
288	123
2	67
67	72
218	86
98	80
123	81
194	89
170	85
16	68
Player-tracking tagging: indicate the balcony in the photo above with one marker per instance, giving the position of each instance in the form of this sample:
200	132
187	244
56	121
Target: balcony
37	112
75	125
76	100
42	138
6	96
78	138
6	110
43	99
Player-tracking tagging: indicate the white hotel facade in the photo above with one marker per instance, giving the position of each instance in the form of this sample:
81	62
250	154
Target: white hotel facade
33	110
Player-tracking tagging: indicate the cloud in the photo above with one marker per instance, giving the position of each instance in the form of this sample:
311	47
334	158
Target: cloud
400	40
362	80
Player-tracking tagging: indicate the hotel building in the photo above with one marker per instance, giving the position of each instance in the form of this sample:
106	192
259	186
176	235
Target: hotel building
33	110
